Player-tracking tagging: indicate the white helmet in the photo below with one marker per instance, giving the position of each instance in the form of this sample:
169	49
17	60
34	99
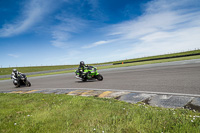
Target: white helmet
14	70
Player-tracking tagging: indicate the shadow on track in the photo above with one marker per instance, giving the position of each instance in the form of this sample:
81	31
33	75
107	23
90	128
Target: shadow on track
21	86
86	81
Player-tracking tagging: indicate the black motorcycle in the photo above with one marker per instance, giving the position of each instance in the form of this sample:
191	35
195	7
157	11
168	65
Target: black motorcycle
21	80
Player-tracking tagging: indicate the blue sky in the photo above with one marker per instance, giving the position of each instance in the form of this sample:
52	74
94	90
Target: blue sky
57	32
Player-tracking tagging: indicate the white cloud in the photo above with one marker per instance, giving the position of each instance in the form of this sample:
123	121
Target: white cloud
59	38
62	32
13	55
98	43
166	26
70	56
34	11
94	4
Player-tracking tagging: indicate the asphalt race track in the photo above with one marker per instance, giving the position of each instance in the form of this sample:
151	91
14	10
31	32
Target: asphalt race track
173	77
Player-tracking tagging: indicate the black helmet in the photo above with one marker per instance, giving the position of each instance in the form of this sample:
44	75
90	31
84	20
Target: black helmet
14	70
82	63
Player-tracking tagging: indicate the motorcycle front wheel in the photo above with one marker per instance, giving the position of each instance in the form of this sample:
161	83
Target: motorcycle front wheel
28	83
16	83
99	77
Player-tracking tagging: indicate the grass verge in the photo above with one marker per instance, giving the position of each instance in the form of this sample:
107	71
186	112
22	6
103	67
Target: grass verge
63	113
44	74
6	71
151	62
161	56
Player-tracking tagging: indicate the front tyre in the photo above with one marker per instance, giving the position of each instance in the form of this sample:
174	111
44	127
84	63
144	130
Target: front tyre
99	77
16	83
28	83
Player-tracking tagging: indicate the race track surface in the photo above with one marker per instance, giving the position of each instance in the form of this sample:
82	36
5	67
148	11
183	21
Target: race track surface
174	77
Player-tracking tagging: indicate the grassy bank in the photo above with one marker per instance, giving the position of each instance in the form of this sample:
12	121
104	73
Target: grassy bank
161	56
151	62
6	71
62	113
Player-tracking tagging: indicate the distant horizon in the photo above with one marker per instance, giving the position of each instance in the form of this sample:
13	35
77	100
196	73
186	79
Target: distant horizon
64	32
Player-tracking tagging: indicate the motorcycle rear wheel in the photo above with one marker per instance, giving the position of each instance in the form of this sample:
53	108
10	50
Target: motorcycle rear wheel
84	80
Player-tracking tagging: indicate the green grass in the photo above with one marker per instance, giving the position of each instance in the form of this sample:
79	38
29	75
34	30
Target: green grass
151	62
42	113
161	56
6	71
44	74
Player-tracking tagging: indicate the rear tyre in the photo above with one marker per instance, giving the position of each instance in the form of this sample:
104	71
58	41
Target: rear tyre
84	78
99	77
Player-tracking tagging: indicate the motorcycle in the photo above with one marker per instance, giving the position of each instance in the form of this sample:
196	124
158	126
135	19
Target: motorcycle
21	80
90	73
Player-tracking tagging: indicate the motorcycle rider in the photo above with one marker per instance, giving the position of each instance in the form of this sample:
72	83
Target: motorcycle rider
81	68
14	74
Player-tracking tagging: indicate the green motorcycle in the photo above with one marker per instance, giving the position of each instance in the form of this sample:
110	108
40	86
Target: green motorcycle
90	73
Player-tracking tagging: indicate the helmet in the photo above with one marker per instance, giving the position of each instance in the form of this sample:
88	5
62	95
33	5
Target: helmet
82	63
14	70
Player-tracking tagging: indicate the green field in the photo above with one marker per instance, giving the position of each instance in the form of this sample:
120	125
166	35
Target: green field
151	62
6	71
42	113
161	56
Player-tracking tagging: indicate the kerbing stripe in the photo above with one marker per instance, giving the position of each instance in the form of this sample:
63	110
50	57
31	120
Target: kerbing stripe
104	94
87	92
31	91
17	92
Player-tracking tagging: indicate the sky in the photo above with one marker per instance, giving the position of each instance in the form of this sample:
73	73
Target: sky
63	32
